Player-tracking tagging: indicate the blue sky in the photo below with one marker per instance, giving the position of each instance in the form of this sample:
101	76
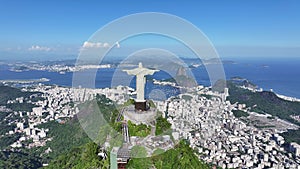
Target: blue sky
237	28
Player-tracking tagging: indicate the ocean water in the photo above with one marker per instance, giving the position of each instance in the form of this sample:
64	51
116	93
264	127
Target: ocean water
280	75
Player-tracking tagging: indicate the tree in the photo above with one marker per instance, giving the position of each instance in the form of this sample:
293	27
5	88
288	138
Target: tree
139	160
162	125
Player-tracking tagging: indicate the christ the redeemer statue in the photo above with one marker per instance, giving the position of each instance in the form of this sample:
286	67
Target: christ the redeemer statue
140	73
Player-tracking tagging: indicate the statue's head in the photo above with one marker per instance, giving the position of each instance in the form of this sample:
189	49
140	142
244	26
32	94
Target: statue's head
140	65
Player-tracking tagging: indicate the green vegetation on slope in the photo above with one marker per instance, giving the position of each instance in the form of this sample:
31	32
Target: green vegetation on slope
11	160
7	140
182	156
140	130
106	107
11	93
158	151
138	152
80	158
71	134
264	102
291	136
239	113
27	107
65	136
162	125
267	102
129	102
4	124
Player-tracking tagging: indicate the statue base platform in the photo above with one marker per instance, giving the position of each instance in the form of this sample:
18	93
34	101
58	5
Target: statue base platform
141	106
139	117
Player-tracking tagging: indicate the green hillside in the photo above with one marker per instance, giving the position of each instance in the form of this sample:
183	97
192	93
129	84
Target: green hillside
267	102
264	102
82	157
11	93
182	156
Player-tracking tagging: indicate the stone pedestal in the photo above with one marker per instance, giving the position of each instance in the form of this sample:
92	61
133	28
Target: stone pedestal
139	117
141	106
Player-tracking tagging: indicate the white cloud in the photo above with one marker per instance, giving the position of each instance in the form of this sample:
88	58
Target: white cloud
95	45
87	45
106	45
39	48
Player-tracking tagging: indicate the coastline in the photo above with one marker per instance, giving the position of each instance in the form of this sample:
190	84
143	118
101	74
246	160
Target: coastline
24	81
284	97
156	82
288	98
56	77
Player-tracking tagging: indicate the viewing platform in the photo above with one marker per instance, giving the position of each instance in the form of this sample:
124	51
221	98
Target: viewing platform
139	117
